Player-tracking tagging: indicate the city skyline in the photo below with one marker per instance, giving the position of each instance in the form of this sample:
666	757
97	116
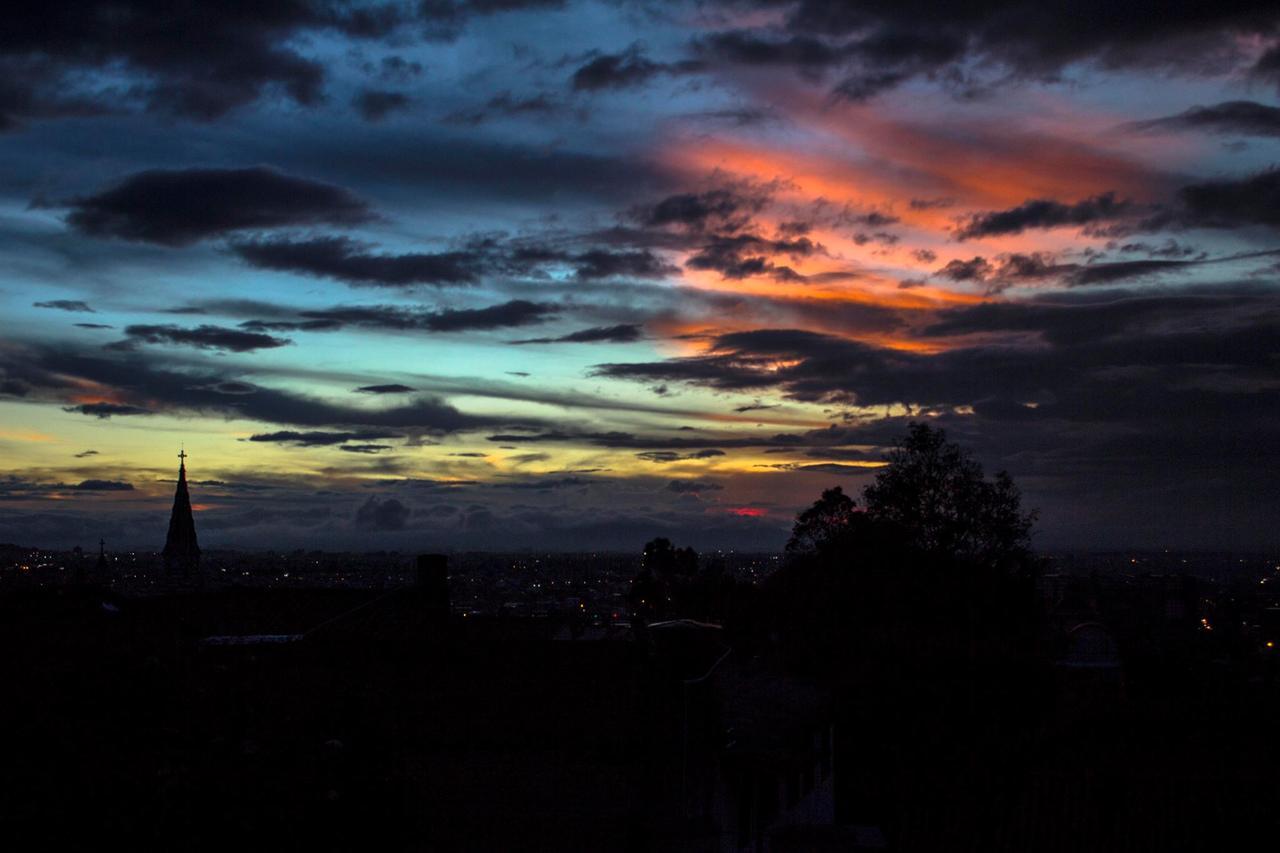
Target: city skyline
573	275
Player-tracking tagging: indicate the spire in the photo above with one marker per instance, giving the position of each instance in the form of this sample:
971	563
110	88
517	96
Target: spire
181	551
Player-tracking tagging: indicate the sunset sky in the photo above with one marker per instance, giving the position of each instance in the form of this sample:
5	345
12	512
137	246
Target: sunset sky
569	275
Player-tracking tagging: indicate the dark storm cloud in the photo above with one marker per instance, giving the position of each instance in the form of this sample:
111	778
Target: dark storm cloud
631	441
385	389
748	48
835	468
177	207
104	486
667	456
350	261
376	514
1044	213
106	410
83	454
57	374
178	58
974	269
867	65
1220	204
202	337
620	334
1007	270
693	487
744	255
626	69
1064	320
872	46
725	209
93	326
317	438
1245	118
65	305
517	312
1107	273
1232	203
367	449
377	104
1173	365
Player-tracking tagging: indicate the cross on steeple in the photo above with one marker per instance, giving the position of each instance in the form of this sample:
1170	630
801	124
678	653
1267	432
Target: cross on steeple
180	549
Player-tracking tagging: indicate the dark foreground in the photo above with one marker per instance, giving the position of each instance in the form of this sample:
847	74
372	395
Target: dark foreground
344	720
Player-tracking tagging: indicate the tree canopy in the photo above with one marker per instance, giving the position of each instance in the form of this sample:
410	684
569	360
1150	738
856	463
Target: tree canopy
933	496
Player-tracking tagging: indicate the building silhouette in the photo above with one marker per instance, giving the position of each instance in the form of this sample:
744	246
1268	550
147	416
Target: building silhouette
181	550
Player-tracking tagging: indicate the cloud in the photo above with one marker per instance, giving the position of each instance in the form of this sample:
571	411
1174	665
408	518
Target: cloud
140	386
368	449
624	70
385	514
1044	213
620	334
1010	269
104	486
385	389
170	58
350	261
723	208
693	487
970	46
320	438
666	456
748	48
834	468
974	269
106	410
746	255
65	305
86	453
1168	361
177	207
517	312
1254	200
1244	118
376	104
203	337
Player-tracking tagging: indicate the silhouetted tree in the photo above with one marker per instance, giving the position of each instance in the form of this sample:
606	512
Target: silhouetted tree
911	604
824	525
936	552
667	562
935	493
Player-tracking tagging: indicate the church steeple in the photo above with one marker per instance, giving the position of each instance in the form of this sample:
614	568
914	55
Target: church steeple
181	551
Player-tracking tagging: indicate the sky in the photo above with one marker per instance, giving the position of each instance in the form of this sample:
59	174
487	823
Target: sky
528	274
